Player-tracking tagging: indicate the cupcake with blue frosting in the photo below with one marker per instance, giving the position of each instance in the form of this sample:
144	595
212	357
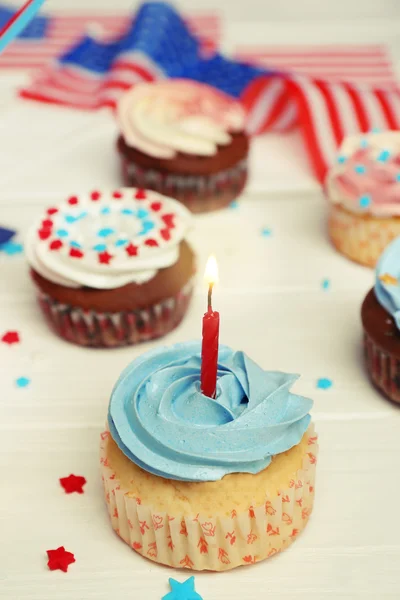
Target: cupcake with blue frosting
380	315
204	483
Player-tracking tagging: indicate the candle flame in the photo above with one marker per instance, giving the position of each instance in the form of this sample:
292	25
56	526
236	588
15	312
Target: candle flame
211	272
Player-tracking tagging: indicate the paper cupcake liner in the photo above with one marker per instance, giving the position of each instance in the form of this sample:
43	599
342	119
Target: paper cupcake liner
361	238
198	193
221	543
91	328
383	369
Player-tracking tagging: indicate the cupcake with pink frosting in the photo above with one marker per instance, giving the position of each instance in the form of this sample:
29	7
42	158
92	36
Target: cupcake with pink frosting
185	140
364	192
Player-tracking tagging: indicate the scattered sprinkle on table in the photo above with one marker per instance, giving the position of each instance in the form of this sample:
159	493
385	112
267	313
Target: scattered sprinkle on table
73	483
266	232
234	204
323	383
11	337
182	591
12	248
325	284
22	382
59	559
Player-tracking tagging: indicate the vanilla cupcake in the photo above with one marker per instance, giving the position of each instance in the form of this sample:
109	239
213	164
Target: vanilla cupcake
184	139
112	268
364	192
201	483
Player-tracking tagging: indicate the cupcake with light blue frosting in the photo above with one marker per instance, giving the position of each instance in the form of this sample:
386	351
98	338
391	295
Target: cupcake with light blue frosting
380	315
204	483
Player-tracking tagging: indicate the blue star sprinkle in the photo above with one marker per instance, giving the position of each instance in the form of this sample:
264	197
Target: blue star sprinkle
22	382
105	211
119	243
365	201
127	211
105	232
74	244
323	383
12	248
234	204
62	233
146	227
325	284
360	169
142	213
383	156
70	218
266	232
341	159
182	591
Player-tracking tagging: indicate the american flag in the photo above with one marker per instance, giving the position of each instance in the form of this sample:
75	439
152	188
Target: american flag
328	92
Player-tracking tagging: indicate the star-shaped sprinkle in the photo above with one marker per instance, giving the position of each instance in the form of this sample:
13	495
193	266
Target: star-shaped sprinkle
140	194
59	559
182	591
383	156
365	201
55	245
132	250
266	232
95	195
388	279
11	337
360	169
11	248
234	204
325	284
151	243
117	194
52	211
341	159
73	200
44	233
156	206
75	253
73	483
323	383
105	257
22	382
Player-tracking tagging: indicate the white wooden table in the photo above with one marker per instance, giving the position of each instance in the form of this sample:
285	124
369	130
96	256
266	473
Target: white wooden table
272	306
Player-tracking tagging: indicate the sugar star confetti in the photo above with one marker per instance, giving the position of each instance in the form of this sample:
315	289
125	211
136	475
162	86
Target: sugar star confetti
11	337
73	483
323	383
182	591
22	382
325	284
59	559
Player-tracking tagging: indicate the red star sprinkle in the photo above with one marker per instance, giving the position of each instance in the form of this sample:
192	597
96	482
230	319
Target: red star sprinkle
132	250
156	206
75	253
52	211
140	194
44	233
165	234
59	559
47	223
151	242
55	245
95	196
169	220
105	257
11	337
73	200
117	194
73	483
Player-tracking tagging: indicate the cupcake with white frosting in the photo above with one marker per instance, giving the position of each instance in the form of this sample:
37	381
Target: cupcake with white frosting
184	139
202	483
364	192
112	268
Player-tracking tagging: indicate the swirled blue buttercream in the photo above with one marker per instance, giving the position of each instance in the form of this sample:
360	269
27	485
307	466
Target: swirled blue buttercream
163	423
387	283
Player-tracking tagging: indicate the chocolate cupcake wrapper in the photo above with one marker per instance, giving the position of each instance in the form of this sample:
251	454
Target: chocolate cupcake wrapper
199	542
198	193
91	328
383	369
362	239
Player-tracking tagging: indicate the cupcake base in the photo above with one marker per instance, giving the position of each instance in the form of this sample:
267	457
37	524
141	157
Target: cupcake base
240	534
381	347
114	329
361	237
200	193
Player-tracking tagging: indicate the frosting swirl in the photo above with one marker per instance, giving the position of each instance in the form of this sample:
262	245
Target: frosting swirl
105	240
167	117
366	176
387	284
163	423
